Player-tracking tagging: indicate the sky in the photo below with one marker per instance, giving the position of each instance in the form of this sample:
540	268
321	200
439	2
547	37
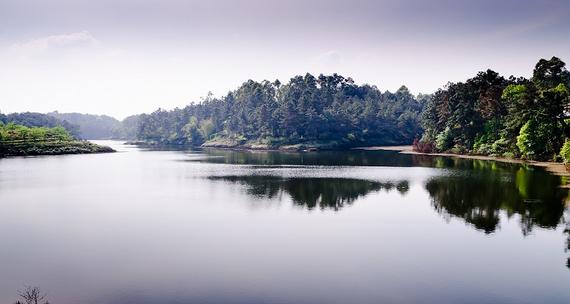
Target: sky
133	56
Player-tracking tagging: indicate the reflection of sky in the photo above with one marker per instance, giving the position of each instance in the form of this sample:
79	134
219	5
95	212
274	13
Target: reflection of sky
126	57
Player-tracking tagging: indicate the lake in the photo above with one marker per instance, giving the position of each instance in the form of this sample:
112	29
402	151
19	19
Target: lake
216	226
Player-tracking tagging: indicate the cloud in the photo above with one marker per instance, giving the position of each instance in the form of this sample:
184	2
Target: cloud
76	40
330	59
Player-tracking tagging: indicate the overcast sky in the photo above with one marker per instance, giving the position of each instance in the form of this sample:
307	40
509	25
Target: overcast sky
126	57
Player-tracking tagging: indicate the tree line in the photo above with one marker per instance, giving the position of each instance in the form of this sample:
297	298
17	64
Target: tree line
308	109
485	115
509	117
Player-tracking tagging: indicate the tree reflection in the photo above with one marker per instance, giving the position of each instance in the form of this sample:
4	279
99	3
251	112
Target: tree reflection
321	158
567	232
479	197
322	193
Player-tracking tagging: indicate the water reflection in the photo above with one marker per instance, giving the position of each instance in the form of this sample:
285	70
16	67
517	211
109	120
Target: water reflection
480	197
311	193
321	158
567	232
481	193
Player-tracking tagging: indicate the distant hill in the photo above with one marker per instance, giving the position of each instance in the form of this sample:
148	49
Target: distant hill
92	126
129	128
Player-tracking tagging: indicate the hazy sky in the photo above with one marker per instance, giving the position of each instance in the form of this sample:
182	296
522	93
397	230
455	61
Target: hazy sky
125	57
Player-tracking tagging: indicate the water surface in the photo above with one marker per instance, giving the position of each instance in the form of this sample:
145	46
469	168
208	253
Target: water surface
215	226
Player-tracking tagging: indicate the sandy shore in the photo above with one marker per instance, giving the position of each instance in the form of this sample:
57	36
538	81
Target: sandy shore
553	167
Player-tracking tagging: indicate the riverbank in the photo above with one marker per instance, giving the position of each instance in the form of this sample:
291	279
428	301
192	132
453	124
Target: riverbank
552	167
36	148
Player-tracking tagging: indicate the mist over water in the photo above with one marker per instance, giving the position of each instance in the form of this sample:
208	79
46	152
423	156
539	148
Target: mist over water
218	226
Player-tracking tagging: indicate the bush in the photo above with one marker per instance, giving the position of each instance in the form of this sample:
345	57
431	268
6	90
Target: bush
422	146
508	155
526	141
565	152
459	149
444	140
483	149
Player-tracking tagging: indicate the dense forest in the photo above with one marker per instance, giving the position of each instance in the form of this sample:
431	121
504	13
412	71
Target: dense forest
22	140
510	117
323	112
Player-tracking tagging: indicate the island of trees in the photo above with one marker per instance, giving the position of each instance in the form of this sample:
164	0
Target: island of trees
19	140
324	112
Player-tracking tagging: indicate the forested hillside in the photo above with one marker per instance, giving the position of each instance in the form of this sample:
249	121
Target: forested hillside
323	112
129	128
491	115
92	126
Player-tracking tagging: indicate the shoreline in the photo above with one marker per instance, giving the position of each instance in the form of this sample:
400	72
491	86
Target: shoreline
552	167
52	148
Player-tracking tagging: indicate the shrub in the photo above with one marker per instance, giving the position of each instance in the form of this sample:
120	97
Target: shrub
483	149
508	155
565	152
444	140
459	149
526	140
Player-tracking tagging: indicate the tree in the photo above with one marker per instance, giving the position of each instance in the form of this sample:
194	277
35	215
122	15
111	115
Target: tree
489	114
32	295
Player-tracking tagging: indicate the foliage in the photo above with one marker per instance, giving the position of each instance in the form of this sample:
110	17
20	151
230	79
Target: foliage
444	140
129	128
30	119
306	109
22	140
491	115
527	141
12	132
565	152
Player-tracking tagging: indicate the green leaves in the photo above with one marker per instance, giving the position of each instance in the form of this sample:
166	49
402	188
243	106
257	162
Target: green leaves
565	152
490	115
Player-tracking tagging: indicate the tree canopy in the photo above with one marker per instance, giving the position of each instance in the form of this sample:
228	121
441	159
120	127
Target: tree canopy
329	109
491	115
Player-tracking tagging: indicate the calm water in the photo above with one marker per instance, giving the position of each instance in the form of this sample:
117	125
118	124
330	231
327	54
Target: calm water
159	226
